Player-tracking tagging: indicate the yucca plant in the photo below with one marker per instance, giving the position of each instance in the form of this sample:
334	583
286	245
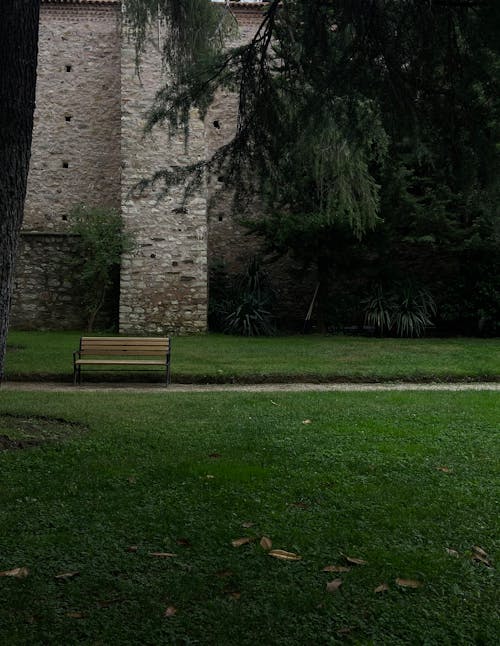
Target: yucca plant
412	311
378	311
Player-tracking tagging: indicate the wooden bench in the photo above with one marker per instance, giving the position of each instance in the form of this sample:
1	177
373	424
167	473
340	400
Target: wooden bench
121	351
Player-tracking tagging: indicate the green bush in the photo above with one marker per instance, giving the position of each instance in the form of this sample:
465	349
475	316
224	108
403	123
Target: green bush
101	241
405	311
241	304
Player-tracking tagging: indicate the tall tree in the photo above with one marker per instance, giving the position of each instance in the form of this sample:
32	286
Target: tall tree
18	59
333	96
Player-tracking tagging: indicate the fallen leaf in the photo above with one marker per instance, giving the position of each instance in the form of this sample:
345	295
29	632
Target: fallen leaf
17	572
162	555
238	542
66	575
132	479
355	561
452	552
336	568
333	586
383	587
234	594
266	543
185	542
132	548
479	555
214	455
75	615
445	469
479	551
409	583
274	403
247	524
285	556
209	477
170	611
307	421
345	630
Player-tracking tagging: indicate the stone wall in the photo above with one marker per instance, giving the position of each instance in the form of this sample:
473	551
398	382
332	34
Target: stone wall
76	157
76	137
164	282
89	148
45	296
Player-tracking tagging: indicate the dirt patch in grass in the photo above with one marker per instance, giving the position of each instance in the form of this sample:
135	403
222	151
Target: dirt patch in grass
18	432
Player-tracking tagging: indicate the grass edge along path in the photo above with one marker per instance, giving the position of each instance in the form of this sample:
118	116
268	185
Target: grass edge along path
143	514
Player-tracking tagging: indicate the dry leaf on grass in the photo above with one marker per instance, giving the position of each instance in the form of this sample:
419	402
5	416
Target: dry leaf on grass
238	542
445	469
209	477
185	542
75	615
162	555
284	556
479	551
355	561
479	555
345	630
214	455
266	543
234	594
409	583
333	586
170	611
66	575
452	552
247	524
336	568
132	548
383	587
17	572
307	421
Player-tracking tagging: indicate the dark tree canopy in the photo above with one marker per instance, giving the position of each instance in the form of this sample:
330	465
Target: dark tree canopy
353	114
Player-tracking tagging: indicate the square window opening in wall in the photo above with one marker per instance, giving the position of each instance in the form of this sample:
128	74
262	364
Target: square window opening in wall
68	118
65	164
69	68
221	218
64	218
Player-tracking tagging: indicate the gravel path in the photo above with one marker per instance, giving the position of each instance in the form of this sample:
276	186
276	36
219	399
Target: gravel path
250	388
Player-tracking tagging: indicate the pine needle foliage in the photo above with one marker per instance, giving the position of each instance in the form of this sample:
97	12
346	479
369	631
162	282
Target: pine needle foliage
350	113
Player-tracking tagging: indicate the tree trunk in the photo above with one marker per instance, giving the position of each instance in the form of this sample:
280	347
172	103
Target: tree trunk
18	57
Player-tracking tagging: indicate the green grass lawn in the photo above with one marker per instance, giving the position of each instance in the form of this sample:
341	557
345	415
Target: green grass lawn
225	358
394	479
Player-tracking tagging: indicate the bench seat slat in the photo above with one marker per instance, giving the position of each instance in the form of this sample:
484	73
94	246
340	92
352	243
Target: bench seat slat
116	362
138	352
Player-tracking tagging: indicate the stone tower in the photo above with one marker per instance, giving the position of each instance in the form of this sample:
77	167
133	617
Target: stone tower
89	148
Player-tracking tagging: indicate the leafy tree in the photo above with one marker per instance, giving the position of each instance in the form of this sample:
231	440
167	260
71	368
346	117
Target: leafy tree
18	58
100	244
353	114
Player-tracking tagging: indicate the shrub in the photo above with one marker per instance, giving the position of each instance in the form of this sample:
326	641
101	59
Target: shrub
241	304
101	242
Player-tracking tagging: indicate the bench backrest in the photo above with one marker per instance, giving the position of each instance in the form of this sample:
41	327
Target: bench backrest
119	346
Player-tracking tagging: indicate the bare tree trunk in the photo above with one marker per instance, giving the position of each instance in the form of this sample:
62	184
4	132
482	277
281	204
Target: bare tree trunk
18	57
